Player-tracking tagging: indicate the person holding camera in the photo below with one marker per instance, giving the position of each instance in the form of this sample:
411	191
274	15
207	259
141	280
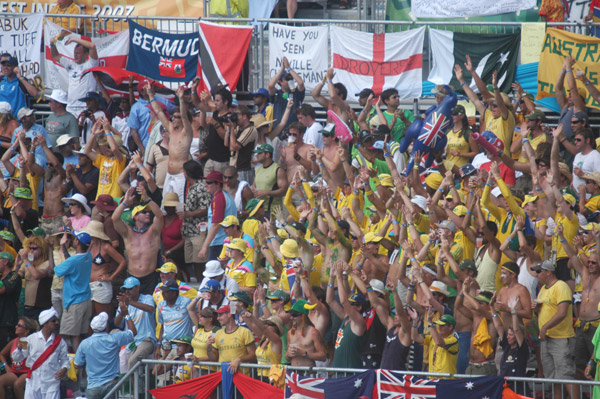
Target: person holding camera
242	136
217	140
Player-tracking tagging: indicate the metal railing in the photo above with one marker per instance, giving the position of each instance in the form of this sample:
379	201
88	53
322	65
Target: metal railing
137	381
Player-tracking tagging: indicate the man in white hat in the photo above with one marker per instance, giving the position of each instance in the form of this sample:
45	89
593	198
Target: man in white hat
46	354
66	145
31	130
214	271
99	353
60	122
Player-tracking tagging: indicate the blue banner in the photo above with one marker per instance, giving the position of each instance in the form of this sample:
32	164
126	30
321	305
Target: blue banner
170	57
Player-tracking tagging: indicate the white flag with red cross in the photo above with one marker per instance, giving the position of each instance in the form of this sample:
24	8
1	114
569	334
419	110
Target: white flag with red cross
378	61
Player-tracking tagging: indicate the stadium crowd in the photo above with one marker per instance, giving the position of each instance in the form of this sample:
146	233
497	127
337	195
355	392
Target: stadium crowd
306	251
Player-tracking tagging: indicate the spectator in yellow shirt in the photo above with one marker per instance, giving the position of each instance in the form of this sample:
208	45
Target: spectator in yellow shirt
67	7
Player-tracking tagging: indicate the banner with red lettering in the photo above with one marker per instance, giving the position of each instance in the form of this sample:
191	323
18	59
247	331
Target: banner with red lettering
378	61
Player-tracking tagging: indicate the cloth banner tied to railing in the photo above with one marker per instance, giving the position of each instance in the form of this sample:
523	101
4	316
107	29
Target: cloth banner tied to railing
370	384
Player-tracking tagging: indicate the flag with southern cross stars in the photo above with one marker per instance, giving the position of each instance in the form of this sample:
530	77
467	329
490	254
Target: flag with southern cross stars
358	386
488	53
471	388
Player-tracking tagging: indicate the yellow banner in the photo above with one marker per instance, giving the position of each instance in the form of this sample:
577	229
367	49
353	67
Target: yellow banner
557	45
151	8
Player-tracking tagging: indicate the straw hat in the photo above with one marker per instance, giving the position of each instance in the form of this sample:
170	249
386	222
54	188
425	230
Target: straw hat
171	199
96	230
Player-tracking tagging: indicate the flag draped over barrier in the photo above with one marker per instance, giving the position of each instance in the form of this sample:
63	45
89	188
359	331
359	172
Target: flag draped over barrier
378	61
467	8
557	45
223	50
488	53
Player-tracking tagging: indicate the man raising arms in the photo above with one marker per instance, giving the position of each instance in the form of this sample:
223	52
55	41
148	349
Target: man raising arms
180	141
142	240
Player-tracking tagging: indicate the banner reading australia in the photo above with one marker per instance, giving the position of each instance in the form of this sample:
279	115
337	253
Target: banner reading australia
162	56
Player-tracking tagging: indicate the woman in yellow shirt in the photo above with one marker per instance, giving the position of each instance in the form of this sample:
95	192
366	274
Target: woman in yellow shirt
269	347
207	325
461	147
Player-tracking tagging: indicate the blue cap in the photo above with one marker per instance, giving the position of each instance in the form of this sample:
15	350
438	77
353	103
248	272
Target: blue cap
130	282
261	92
83	237
211	286
92	95
170	285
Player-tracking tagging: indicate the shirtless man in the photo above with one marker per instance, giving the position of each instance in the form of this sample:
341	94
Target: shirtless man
512	288
337	93
54	178
304	341
180	141
297	153
319	315
374	265
329	157
588	309
481	354
142	241
337	243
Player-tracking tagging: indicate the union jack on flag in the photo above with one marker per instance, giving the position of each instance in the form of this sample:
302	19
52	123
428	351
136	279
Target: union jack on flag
165	62
394	385
434	129
307	386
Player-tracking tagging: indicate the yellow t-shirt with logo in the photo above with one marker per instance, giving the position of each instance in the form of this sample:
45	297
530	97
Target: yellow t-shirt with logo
232	346
502	128
569	232
442	359
549	299
534	144
593	204
457	141
110	170
243	273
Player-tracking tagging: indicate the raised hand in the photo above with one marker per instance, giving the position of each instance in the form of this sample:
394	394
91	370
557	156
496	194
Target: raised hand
469	64
458	72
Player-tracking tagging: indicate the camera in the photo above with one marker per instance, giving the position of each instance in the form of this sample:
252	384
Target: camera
229	117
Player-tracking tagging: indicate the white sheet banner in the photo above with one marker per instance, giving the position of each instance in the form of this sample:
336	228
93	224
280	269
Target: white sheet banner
378	61
467	8
304	47
22	36
112	52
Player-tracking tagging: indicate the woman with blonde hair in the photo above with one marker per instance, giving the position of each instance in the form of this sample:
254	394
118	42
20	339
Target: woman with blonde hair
16	372
32	264
8	124
107	263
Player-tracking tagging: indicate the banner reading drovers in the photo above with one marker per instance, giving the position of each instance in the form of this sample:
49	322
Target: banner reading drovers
22	36
304	47
557	45
162	56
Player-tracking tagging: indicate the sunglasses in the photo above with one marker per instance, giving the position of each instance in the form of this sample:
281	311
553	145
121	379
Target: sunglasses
494	105
21	325
592	262
53	320
144	212
227	177
292	134
542	165
5	63
329	134
578	140
575	122
211	183
293	313
521	102
34	248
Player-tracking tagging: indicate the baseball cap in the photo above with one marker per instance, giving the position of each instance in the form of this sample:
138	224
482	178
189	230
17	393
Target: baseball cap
168	267
130	282
241	296
63	139
371	237
229	221
83	237
23	112
365	93
536	115
449	225
237	243
211	286
261	92
92	95
459	109
460	210
278	295
5	107
544	265
224	309
263	148
357	298
186	340
23	193
445	320
37	231
170	285
467	264
139	209
253	206
11	60
529	199
6	255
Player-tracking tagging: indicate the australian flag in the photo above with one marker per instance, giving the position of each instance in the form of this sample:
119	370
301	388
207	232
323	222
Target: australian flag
471	388
358	386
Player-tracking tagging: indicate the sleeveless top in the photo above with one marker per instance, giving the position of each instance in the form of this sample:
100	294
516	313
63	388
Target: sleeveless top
373	341
457	141
266	356
395	353
230	209
18	367
266	179
486	271
525	278
239	203
347	345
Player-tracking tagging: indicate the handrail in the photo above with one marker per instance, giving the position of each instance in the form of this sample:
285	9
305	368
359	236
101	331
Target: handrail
123	379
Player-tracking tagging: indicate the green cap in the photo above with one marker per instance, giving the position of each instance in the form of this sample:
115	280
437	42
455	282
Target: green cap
467	264
445	320
23	193
536	115
264	148
253	205
37	231
241	296
302	306
7	235
183	340
278	295
7	256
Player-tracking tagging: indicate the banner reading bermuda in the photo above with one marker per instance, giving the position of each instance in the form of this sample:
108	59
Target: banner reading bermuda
171	57
21	36
378	61
557	45
304	47
112	52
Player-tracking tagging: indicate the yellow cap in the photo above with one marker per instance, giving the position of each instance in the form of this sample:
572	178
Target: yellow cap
237	243
434	180
168	267
386	180
138	209
230	220
372	237
460	210
529	199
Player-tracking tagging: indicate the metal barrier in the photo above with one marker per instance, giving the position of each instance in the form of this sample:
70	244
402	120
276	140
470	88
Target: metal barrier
258	54
140	379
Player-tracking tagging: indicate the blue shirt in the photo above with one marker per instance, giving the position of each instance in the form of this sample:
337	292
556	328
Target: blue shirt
73	159
11	92
100	356
77	271
32	133
230	209
175	320
143	321
139	117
